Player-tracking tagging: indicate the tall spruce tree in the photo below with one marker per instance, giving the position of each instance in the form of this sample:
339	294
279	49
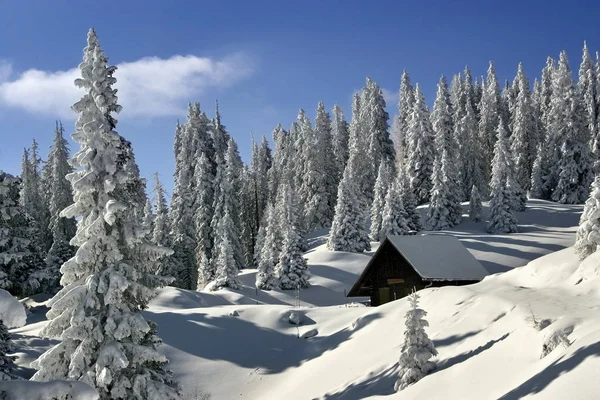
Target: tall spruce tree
269	253
587	86
348	229
292	268
160	235
568	123
183	230
105	340
551	154
148	218
225	266
409	202
280	169
203	218
339	138
19	258
470	153
406	103
226	207
380	146
421	149
523	138
501	219
394	219
317	183
382	185
438	211
445	141
489	112
475	205
60	195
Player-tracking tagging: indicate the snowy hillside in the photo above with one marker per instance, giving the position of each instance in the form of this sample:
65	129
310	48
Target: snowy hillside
240	343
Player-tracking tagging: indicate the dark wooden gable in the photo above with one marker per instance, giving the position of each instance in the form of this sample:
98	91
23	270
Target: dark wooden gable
387	267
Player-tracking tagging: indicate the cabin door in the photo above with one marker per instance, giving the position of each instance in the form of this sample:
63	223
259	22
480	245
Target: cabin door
384	295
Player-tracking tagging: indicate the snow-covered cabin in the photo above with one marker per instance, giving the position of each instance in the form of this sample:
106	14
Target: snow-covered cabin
403	262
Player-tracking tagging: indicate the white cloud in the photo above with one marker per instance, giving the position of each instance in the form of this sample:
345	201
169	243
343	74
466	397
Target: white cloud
150	86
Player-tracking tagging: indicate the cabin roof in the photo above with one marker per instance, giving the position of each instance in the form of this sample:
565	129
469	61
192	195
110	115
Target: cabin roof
434	257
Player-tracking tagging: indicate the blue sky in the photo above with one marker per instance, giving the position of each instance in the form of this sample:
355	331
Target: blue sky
263	60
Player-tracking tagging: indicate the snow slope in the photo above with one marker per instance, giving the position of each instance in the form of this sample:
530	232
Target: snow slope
242	344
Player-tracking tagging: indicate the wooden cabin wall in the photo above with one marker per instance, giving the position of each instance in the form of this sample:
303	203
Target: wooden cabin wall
391	265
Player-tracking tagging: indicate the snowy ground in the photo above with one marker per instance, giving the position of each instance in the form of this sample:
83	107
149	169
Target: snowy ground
241	344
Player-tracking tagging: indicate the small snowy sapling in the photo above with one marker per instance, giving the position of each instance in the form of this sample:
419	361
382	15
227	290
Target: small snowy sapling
417	348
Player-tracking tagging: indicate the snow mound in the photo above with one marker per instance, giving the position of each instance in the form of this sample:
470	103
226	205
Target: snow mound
12	311
54	390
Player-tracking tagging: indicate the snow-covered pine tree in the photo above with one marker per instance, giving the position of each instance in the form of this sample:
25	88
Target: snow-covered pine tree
292	268
468	88
18	255
204	214
394	219
382	185
438	213
501	219
465	129
536	190
260	164
148	220
587	86
348	229
324	146
228	181
160	235
317	184
35	203
588	234
472	173
445	141
60	196
300	130
281	161
264	164
420	139
220	137
506	105
568	123
269	253
339	137
457	97
551	154
477	94
105	340
489	114
376	126
181	216
417	348
475	206
7	363
518	196
413	219
224	263
406	103
250	227
30	202
522	140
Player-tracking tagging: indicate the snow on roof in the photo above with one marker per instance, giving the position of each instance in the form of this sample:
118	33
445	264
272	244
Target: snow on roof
439	257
